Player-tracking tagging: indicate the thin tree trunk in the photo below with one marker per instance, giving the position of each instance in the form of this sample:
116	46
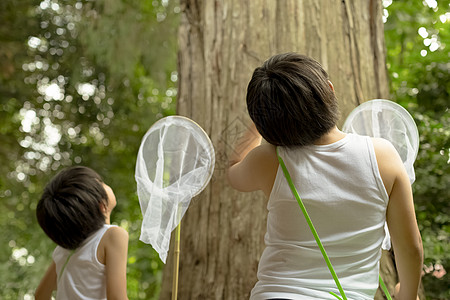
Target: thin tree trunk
220	43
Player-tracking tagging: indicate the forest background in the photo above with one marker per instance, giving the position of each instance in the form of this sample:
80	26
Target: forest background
82	81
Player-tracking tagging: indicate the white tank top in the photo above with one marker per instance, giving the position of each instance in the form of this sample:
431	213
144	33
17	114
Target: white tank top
342	190
84	276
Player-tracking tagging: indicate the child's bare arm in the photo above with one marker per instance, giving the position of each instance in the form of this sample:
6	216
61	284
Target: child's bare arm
252	166
401	219
47	285
250	140
406	238
116	250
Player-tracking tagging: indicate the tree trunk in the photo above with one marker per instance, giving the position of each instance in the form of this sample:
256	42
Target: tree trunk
221	42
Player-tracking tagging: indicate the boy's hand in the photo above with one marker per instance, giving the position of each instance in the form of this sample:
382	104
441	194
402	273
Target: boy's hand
250	140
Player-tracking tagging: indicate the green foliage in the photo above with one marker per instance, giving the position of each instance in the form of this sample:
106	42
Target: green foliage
86	82
417	58
432	198
417	37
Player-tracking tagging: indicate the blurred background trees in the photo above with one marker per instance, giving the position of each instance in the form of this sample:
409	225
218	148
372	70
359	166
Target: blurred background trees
81	82
417	37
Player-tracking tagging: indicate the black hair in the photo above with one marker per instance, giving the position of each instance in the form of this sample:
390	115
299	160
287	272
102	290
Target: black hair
70	210
290	100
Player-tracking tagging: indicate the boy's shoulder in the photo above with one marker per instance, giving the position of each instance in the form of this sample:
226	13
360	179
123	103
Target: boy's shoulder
257	171
115	238
384	149
389	163
115	232
265	151
380	142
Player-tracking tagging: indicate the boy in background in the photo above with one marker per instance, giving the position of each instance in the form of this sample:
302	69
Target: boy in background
91	257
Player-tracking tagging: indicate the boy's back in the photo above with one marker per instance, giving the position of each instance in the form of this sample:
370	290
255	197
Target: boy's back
80	273
344	195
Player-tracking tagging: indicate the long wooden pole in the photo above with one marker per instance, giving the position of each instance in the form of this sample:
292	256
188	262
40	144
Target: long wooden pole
176	262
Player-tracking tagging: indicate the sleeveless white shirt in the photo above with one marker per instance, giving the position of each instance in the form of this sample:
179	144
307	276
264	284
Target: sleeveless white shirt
84	276
342	190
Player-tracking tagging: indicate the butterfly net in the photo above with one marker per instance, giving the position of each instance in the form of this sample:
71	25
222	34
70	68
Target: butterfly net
386	119
174	163
381	118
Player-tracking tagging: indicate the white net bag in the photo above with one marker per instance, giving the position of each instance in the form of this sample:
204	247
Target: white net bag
386	119
175	163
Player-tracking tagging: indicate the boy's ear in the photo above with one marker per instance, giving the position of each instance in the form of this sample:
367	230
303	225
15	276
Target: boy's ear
331	85
103	207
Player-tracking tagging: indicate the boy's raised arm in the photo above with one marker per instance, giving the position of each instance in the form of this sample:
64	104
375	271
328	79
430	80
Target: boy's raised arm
252	166
250	140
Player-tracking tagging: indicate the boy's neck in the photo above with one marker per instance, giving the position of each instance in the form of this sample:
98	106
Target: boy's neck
330	137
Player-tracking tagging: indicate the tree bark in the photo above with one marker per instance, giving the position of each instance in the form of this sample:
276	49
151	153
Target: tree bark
221	42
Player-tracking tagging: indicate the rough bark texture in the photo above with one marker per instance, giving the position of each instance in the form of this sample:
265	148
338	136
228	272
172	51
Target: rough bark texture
221	42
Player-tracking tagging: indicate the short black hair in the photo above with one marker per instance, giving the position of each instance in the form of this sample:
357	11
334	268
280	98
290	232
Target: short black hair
290	100
69	210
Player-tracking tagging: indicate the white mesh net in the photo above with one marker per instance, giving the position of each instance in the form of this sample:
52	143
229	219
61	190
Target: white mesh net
386	119
175	162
